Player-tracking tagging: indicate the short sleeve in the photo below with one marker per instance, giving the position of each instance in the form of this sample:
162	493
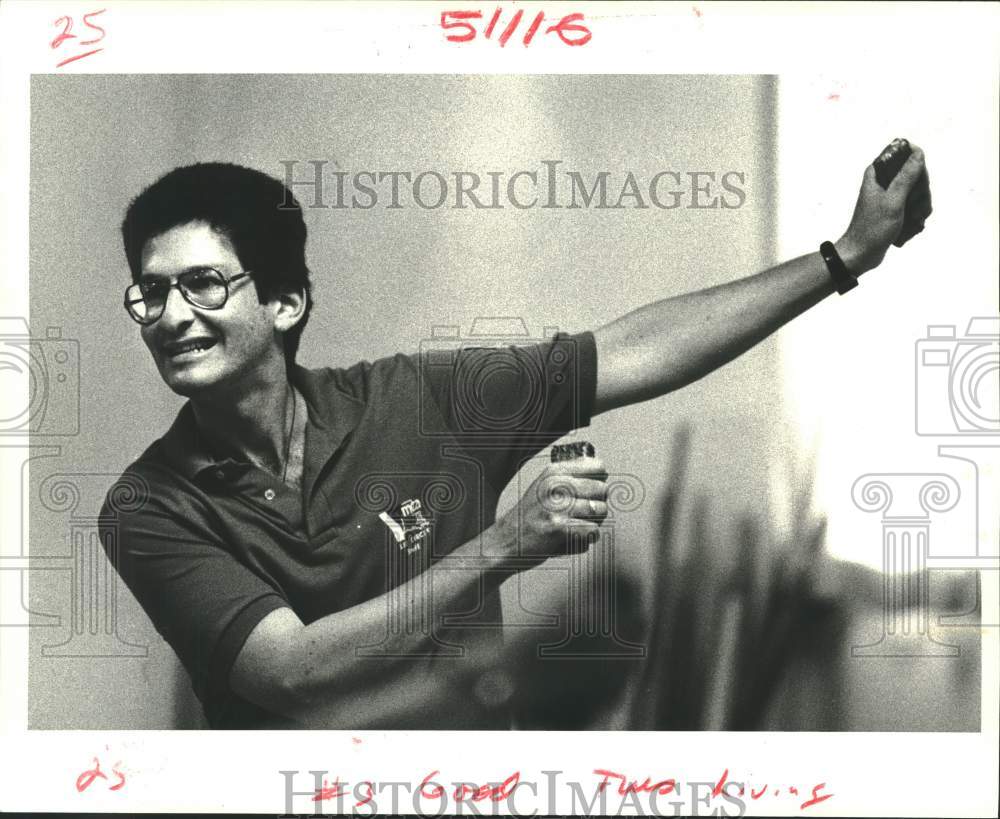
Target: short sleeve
199	597
505	403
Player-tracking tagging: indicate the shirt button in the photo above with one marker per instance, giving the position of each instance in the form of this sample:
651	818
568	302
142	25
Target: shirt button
269	494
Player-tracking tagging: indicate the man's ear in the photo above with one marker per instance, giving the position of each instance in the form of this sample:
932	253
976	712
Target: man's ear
288	309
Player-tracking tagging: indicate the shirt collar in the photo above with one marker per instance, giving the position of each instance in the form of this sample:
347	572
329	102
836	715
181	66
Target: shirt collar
333	414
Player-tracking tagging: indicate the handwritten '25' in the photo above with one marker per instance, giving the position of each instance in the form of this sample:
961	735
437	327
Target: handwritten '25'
67	34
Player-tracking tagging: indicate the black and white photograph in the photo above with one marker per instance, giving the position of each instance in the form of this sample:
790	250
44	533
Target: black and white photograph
496	402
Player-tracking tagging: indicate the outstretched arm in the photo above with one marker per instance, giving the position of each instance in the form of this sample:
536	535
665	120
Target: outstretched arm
670	343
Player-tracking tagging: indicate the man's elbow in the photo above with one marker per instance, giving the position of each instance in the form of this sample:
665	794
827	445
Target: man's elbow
630	373
272	684
287	691
268	672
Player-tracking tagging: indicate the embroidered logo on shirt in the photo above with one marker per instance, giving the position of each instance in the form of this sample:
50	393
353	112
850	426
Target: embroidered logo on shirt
408	525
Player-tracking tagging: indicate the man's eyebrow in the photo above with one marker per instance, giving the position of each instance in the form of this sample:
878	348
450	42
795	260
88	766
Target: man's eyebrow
152	277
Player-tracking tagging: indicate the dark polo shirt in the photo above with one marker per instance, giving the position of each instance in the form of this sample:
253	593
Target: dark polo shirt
209	547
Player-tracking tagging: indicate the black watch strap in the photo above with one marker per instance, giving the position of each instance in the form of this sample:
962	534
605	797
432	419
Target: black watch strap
843	279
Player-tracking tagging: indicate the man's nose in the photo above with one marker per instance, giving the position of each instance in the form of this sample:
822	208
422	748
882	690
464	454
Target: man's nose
176	310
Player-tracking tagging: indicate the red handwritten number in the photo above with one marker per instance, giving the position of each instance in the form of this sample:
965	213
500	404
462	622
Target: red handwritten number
88	24
816	798
530	33
459	17
86	779
67	34
569	29
120	775
493	22
67	24
515	21
567	24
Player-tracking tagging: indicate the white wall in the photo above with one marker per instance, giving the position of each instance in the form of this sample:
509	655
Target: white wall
849	366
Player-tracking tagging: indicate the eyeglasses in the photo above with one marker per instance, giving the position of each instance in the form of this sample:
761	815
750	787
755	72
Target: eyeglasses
202	287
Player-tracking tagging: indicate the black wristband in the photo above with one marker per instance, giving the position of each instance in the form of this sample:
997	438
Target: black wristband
843	279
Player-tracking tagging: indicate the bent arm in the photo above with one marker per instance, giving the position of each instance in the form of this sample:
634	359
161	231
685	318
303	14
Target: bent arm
315	675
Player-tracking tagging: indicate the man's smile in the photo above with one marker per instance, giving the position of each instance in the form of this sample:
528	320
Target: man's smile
188	348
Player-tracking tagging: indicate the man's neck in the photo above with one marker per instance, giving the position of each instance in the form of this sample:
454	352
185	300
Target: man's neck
248	421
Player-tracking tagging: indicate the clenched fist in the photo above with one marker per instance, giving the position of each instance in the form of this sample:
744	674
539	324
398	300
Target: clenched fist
560	513
879	218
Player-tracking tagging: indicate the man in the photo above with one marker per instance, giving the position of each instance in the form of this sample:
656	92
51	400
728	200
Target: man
320	547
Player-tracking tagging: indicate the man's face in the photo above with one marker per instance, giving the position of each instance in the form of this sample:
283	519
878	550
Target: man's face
239	340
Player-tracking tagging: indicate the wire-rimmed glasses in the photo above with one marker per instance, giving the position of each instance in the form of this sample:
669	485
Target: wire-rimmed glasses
202	287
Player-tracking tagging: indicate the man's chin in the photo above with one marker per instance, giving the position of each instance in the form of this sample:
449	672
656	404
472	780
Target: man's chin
191	384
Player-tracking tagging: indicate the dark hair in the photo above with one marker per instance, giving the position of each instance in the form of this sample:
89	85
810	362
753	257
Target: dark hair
257	213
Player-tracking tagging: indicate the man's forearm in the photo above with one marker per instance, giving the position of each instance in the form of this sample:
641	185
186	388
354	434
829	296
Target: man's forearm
319	674
670	343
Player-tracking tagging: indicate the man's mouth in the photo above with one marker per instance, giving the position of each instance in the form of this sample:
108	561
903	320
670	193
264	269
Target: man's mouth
191	348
